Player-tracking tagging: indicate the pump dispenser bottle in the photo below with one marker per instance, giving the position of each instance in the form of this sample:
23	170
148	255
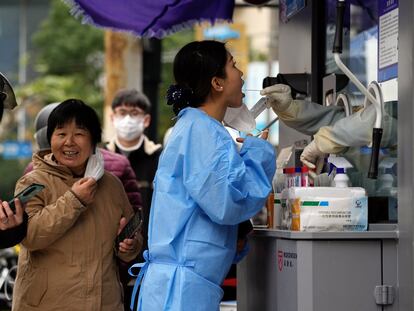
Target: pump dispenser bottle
341	179
339	165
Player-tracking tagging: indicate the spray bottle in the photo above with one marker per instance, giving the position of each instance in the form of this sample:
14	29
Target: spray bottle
340	165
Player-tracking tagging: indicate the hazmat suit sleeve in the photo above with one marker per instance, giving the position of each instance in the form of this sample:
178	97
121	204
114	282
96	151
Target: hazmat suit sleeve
352	131
228	186
355	131
303	116
308	117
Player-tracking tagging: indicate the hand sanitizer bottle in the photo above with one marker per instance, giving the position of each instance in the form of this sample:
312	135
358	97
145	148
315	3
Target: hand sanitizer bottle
341	179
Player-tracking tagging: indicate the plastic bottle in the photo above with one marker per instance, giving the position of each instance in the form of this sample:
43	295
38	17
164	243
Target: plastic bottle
385	182
341	179
270	205
279	183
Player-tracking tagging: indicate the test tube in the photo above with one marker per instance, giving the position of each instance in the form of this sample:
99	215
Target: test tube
298	177
290	177
305	176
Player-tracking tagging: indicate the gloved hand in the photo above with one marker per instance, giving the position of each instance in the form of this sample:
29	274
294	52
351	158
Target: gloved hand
279	96
310	155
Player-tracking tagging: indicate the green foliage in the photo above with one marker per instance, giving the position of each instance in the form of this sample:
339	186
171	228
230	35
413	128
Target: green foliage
69	59
67	47
54	88
257	56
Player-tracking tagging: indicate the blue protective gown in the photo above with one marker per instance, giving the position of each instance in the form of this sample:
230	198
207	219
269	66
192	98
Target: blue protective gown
203	188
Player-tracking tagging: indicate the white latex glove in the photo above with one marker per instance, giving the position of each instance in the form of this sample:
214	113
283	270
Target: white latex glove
310	155
279	96
95	165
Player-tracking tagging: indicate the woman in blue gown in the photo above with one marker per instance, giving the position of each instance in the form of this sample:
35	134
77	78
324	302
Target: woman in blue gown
204	187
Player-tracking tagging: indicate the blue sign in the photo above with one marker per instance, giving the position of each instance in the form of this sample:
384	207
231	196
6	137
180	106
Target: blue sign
221	33
16	149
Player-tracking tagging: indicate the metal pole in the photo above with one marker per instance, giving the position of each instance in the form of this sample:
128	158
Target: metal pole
21	112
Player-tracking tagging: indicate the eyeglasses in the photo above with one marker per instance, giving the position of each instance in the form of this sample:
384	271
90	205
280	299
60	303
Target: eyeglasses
133	113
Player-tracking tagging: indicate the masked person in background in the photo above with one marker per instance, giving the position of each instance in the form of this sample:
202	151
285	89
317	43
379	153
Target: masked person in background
204	187
68	255
13	226
333	131
130	117
114	163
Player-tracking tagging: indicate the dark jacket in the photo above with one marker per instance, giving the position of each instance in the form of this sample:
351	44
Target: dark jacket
119	165
144	162
11	237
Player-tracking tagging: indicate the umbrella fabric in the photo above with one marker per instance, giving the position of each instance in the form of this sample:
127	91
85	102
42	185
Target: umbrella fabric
151	18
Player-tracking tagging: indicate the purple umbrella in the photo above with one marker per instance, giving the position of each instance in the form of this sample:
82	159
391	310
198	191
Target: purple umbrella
151	18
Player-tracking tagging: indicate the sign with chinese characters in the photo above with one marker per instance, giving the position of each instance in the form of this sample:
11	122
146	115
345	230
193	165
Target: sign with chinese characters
387	40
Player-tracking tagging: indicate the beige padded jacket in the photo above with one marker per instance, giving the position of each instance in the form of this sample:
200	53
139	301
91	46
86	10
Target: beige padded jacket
67	260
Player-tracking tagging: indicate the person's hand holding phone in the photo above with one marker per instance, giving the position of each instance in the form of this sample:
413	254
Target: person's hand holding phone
85	189
8	219
129	244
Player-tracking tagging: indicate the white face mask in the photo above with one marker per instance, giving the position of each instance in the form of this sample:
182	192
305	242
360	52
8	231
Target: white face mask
95	165
240	119
128	128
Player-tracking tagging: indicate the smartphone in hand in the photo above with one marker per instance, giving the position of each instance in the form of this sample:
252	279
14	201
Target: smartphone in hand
26	195
131	227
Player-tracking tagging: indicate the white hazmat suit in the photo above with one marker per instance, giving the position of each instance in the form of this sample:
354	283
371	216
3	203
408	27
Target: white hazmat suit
333	132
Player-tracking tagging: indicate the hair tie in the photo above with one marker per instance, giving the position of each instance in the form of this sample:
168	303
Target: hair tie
179	97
